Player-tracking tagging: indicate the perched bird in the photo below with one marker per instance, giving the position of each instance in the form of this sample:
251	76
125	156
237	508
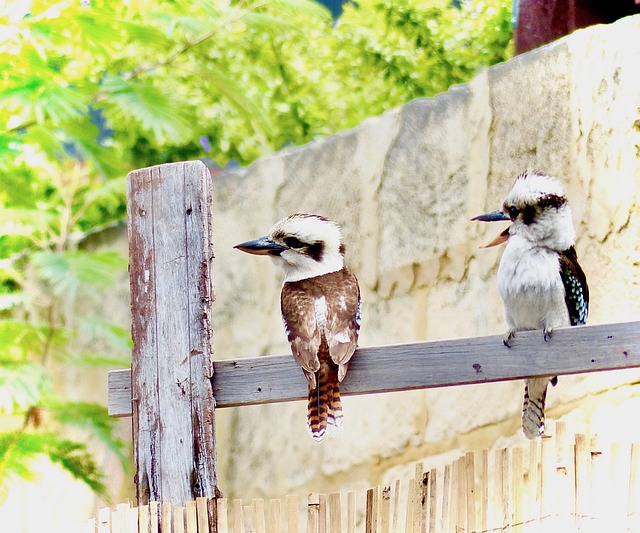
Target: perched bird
320	304
539	278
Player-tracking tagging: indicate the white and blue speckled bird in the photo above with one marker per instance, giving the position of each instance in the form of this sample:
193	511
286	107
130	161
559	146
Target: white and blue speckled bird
539	278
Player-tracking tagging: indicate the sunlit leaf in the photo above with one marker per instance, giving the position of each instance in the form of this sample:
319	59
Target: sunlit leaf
18	449
21	386
68	272
157	112
23	221
117	339
19	339
93	418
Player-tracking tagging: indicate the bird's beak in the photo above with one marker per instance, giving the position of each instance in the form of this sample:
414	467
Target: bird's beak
495	216
261	246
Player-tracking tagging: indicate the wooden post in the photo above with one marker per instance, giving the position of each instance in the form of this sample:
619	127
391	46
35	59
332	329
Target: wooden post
170	257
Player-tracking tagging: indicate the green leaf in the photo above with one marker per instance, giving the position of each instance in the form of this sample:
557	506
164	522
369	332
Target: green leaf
157	112
18	448
20	339
11	300
92	360
68	272
245	105
117	339
27	222
22	386
93	418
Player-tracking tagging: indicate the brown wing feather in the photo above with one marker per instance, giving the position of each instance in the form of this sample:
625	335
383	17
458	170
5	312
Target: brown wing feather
302	331
343	320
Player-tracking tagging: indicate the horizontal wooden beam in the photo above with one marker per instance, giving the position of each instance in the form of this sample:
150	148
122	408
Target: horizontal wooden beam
420	365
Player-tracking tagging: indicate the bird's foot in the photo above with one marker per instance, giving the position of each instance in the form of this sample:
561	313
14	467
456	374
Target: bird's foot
510	334
548	333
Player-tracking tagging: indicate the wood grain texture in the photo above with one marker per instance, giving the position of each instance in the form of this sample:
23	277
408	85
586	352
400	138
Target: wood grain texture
170	254
421	365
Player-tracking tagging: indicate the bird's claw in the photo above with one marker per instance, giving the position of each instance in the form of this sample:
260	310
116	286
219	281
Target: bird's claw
508	336
548	333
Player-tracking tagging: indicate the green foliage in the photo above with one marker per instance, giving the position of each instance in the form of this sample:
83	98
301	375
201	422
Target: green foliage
91	90
18	449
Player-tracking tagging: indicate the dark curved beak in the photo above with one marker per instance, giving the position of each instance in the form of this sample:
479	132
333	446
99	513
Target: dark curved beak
261	246
494	216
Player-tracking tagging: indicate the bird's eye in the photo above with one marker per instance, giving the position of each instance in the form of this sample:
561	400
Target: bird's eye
513	212
293	242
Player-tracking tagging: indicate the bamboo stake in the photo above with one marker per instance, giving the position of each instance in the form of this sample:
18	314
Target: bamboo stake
446	500
371	513
564	481
582	493
416	496
433	493
222	511
322	513
165	517
385	510
408	524
421	501
533	483
470	485
258	516
424	501
633	513
351	512
461	495
275	516
154	510
247	515
484	480
123	510
104	520
395	518
598	489
192	519
312	512
143	518
292	514
547	488
238	517
134	514
178	520
517	488
335	514
502	483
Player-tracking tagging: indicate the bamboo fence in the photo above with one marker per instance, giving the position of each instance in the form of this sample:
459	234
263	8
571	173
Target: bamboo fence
559	483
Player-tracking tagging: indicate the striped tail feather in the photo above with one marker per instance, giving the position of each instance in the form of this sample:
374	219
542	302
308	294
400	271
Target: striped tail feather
324	411
535	394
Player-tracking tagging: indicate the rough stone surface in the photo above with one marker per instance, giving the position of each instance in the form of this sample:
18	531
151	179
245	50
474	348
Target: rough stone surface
404	186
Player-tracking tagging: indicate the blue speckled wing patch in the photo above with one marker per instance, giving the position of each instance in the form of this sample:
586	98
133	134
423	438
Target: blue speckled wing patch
575	287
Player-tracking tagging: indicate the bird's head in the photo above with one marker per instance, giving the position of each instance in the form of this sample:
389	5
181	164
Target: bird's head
539	213
304	245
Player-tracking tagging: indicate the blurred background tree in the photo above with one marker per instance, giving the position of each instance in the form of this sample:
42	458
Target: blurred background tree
92	89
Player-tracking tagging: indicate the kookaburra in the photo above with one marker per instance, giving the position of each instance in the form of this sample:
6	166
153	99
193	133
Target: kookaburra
320	304
539	278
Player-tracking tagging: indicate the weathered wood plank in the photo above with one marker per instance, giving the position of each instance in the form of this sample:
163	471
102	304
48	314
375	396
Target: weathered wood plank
419	365
170	273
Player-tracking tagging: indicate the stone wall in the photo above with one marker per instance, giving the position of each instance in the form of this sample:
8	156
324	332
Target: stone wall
404	186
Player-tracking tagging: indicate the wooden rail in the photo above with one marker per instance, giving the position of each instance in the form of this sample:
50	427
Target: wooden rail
399	367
